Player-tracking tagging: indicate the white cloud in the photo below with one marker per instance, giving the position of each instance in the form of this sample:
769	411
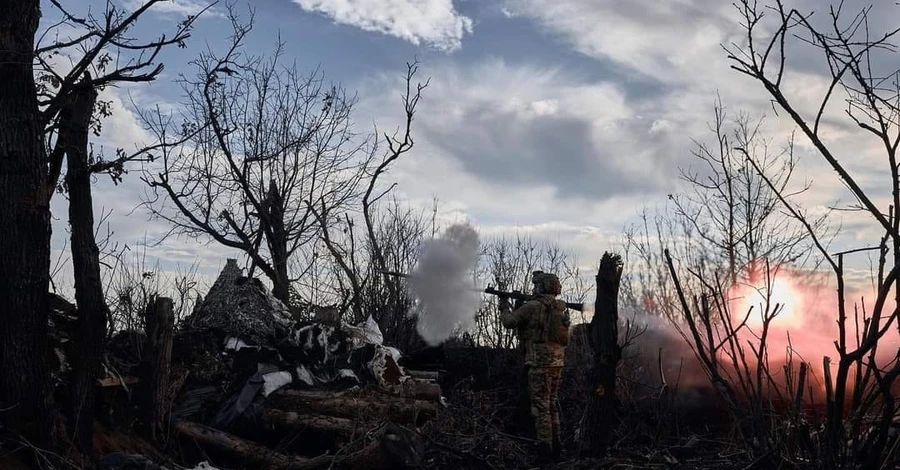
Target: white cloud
524	148
668	40
434	22
676	47
179	7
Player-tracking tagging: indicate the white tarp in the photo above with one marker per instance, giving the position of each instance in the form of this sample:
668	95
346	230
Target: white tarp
275	380
366	332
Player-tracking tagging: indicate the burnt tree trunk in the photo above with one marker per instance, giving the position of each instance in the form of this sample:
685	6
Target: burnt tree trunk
158	356
25	385
277	238
599	418
93	312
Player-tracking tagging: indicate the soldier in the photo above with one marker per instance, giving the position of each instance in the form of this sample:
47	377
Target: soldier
543	327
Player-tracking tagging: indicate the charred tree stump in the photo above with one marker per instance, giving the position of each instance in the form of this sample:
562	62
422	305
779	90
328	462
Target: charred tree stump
158	358
599	418
277	239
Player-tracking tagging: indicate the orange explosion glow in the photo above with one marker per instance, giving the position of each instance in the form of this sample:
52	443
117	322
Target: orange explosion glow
805	326
804	330
780	292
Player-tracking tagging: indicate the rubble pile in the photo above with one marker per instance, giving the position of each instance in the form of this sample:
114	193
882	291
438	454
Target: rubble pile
255	389
255	333
242	308
249	387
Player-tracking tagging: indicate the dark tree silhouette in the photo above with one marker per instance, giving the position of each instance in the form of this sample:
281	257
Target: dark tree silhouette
47	113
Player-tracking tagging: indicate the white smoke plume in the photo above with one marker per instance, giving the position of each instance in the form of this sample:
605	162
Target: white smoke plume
442	282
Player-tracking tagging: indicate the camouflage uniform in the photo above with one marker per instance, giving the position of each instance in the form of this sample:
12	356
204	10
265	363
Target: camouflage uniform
543	361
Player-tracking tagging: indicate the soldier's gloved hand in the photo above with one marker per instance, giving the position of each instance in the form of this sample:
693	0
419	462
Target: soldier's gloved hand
503	304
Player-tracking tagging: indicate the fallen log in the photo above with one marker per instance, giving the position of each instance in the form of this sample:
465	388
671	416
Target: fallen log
429	375
389	407
416	388
117	381
291	420
250	453
393	447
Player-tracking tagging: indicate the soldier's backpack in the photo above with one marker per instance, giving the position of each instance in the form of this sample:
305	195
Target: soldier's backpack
555	322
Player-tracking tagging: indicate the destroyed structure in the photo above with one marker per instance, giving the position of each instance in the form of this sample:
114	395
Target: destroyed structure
249	387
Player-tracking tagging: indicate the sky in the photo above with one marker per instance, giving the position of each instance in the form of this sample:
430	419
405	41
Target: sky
562	119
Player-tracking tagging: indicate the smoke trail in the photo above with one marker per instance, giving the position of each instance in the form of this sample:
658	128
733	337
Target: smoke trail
442	282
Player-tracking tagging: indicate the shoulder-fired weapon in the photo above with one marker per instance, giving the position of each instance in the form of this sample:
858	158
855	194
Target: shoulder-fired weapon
515	295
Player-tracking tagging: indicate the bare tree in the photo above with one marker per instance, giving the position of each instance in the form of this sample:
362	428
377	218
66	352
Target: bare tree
727	222
730	208
65	65
725	231
71	110
261	144
391	238
860	62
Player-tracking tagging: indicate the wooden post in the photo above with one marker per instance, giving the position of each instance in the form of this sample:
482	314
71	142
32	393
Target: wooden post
603	336
158	356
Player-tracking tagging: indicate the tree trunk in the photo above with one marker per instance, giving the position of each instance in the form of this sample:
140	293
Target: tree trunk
278	243
93	312
158	353
25	383
603	334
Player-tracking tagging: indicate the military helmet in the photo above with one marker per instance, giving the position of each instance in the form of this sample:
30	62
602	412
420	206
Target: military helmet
548	283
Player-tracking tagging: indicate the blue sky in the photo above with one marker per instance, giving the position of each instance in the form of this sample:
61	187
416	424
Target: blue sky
558	118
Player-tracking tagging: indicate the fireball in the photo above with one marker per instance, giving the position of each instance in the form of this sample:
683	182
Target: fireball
779	291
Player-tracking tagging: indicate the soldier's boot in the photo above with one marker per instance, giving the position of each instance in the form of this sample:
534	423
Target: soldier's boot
557	450
545	453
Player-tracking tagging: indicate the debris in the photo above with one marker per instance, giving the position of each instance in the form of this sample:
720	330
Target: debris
242	308
204	466
275	380
253	389
366	333
127	462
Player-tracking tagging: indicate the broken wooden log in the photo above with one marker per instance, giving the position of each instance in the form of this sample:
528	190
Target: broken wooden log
117	381
292	420
392	408
250	453
429	375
